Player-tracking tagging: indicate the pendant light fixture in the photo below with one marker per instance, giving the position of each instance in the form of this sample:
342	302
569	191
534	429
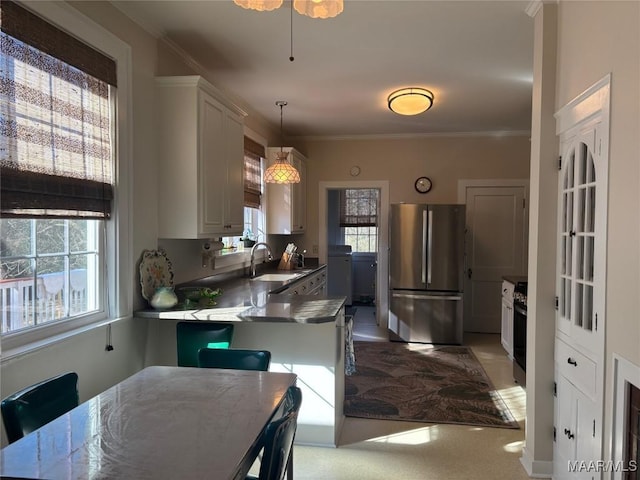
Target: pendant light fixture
319	8
259	5
410	101
310	8
281	171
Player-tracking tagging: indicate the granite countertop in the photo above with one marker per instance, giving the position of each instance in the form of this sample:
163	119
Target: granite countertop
295	308
246	299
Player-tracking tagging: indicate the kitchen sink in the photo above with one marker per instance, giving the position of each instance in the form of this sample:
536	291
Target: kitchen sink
276	277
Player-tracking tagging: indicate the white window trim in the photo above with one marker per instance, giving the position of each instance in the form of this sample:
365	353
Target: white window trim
120	228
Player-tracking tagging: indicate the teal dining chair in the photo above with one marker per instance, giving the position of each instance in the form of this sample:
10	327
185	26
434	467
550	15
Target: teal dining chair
31	408
192	336
277	458
236	358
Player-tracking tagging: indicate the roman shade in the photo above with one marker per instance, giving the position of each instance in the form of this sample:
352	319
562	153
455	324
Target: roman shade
359	207
56	96
253	154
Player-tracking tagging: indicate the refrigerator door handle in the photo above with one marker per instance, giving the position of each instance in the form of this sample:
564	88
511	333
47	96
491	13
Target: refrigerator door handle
426	297
429	245
425	234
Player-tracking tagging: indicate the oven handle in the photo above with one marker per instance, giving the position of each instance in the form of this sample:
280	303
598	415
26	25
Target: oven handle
520	310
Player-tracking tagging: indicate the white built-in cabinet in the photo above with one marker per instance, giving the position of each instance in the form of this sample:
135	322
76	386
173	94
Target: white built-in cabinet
506	336
583	126
313	284
201	159
287	204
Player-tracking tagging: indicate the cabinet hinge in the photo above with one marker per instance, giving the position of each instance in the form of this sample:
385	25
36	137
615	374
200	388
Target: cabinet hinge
560	162
557	303
555	389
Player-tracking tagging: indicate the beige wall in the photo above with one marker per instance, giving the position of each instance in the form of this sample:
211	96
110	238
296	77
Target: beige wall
85	353
444	159
594	39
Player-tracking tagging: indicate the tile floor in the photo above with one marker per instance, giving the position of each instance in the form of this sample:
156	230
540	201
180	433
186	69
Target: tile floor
388	450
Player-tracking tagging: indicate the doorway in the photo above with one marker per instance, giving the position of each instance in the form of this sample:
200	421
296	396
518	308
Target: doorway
381	257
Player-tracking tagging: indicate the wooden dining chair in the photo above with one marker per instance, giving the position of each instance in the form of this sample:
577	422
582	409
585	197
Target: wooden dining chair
192	336
31	408
236	358
277	456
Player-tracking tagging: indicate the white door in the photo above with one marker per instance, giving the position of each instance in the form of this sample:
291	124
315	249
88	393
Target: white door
495	247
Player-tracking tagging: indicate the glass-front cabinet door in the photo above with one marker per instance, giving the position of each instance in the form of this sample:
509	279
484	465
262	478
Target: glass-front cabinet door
580	230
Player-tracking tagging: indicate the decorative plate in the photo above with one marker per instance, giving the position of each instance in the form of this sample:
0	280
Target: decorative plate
155	271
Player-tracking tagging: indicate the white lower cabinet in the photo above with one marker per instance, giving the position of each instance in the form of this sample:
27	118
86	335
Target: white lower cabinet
313	284
576	433
201	160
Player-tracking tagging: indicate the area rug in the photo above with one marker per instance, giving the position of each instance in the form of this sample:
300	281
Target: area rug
423	383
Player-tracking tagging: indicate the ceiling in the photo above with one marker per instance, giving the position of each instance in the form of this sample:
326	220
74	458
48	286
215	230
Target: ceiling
475	56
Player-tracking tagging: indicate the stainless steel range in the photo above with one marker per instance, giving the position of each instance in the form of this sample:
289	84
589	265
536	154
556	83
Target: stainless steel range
520	333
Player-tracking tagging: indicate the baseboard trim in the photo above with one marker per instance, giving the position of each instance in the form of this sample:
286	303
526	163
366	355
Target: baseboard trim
536	468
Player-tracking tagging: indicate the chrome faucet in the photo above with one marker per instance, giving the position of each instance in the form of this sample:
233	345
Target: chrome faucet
253	251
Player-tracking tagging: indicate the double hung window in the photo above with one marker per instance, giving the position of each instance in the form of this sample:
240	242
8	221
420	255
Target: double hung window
253	215
359	218
57	160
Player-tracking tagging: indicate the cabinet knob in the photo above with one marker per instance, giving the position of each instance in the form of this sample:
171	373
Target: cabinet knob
568	433
571	361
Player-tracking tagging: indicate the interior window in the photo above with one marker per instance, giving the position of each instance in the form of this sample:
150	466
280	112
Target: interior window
359	218
50	270
58	101
253	231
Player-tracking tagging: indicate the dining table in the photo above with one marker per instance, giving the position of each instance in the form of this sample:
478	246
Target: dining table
162	422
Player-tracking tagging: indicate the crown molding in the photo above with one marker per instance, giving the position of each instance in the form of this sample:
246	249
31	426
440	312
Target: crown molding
405	136
146	25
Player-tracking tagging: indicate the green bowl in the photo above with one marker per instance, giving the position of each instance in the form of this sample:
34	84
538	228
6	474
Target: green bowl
200	296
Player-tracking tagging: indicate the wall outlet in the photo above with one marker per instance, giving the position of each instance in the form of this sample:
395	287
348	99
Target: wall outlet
315	249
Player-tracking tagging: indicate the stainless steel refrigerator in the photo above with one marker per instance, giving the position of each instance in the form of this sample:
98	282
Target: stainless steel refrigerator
426	267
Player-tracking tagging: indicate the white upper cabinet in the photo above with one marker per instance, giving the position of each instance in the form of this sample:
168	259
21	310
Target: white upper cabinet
201	158
287	204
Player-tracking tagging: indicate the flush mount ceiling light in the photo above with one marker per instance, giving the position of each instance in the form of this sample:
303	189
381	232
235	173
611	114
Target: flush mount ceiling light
319	8
259	5
410	101
281	171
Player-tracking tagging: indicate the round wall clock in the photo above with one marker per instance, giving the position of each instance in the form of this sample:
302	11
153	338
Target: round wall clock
423	184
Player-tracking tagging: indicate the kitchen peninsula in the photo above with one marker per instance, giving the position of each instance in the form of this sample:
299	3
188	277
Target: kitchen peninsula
304	333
